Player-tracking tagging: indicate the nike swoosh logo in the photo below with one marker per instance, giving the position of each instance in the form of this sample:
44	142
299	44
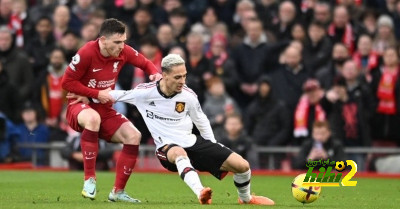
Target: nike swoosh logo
95	70
89	158
92	193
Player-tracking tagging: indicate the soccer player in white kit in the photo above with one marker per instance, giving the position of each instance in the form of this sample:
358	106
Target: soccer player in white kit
169	109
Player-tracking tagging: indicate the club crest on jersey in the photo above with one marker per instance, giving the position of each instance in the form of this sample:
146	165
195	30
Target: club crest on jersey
115	66
179	107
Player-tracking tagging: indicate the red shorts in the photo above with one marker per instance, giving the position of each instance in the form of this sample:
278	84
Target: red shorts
111	120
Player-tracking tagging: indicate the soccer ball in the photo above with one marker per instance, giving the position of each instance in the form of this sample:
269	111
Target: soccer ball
304	194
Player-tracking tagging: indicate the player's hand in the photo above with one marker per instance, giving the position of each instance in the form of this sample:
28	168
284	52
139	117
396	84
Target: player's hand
78	98
155	77
105	97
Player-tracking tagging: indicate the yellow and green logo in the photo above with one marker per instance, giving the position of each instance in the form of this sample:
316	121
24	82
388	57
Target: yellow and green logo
327	178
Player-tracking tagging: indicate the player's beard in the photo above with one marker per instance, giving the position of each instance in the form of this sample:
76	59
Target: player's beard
110	52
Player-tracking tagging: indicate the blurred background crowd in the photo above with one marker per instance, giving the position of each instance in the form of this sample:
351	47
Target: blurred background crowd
320	75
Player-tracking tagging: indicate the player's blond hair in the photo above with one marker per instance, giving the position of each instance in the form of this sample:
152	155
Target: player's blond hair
170	61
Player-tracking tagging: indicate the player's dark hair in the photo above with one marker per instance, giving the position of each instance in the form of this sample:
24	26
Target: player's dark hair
112	26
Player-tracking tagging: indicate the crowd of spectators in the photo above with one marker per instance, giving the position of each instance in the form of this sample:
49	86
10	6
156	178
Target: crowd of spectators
265	71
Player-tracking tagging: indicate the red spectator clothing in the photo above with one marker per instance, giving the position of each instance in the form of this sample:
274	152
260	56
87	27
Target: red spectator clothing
301	116
356	2
347	39
386	92
15	24
89	71
56	96
52	96
373	61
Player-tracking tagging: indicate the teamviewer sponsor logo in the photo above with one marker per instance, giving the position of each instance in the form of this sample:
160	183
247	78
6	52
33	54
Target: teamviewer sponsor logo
92	83
150	114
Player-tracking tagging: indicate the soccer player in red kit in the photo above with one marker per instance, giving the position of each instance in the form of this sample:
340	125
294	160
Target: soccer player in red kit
93	72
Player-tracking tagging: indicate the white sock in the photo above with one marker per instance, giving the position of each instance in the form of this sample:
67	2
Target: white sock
190	176
242	183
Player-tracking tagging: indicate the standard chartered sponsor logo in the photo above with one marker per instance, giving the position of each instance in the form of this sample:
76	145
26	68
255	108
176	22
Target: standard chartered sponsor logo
105	84
101	84
92	83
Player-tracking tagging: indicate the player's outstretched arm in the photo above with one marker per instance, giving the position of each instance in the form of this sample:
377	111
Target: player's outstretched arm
104	97
78	98
123	96
138	60
200	120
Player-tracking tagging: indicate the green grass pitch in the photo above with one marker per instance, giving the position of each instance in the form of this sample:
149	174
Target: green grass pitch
57	190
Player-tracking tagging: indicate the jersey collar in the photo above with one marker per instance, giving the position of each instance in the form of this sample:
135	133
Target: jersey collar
161	93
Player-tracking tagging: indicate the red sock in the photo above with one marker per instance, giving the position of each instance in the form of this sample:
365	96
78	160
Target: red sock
126	163
89	147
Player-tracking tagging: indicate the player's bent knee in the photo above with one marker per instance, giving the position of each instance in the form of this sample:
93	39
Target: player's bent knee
90	119
176	152
242	166
93	119
133	138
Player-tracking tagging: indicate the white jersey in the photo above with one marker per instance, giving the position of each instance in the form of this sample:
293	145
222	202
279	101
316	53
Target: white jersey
169	119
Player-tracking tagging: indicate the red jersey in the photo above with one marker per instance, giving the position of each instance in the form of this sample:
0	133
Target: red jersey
56	98
89	71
